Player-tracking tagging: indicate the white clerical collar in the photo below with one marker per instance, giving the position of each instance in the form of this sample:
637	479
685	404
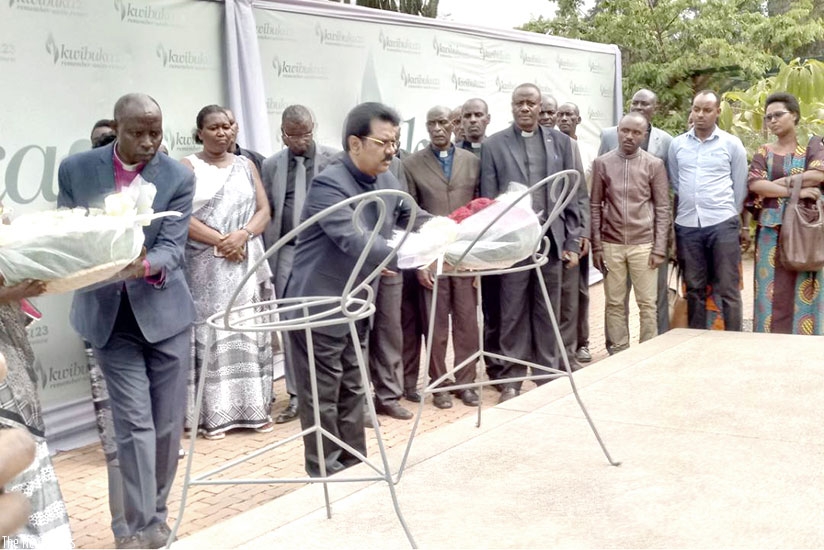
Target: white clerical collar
475	144
443	154
527	134
127	167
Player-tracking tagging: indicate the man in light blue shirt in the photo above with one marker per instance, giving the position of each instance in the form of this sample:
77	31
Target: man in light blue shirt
708	173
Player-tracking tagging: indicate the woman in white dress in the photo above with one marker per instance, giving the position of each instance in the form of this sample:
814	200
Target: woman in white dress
229	213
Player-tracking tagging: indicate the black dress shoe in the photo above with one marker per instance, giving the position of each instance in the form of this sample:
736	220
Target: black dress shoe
412	395
469	397
289	413
508	394
442	400
156	535
132	541
393	409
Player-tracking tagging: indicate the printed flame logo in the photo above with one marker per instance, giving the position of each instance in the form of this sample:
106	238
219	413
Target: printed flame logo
168	138
120	5
276	64
162	53
51	47
319	32
11	3
41	373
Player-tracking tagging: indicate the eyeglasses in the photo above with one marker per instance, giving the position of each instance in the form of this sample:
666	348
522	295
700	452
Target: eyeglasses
774	116
307	135
394	144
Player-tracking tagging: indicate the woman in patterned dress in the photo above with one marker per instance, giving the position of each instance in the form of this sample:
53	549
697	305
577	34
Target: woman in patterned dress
229	212
48	524
789	302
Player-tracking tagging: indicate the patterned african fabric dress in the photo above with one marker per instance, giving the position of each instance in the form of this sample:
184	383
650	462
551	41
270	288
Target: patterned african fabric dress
238	388
787	302
48	525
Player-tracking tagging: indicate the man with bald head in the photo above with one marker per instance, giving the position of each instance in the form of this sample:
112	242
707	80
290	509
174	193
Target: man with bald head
630	223
474	120
442	178
549	111
139	328
657	143
527	152
286	176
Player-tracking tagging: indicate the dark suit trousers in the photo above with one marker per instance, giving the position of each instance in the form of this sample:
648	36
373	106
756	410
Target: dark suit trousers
456	295
526	329
340	398
147	389
412	322
491	296
715	249
386	341
285	257
574	320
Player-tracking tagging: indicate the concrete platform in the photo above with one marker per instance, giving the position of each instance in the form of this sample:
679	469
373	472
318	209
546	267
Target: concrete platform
720	435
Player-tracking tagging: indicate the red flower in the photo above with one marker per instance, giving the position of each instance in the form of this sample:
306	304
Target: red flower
474	206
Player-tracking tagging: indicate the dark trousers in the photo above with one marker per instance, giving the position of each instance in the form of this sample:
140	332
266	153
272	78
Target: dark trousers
412	326
574	317
715	248
456	296
526	329
386	341
147	389
340	398
491	305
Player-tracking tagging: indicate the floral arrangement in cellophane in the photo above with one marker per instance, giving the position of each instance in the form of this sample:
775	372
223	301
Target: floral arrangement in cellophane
72	248
509	240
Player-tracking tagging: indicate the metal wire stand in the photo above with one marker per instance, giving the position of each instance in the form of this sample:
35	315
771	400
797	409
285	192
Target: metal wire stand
279	315
562	188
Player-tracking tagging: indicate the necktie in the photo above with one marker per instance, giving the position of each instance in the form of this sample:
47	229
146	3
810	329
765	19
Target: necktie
300	190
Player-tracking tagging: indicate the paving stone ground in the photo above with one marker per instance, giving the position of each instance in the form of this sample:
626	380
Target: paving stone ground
82	472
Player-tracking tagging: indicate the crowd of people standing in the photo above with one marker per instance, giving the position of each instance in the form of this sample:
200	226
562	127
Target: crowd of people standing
648	198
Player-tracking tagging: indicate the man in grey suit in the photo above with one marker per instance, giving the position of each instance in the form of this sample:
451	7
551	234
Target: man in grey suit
140	329
286	176
527	153
441	179
325	256
657	144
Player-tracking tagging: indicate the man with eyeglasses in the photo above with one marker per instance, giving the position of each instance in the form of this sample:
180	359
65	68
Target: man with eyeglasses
708	174
527	152
286	176
325	257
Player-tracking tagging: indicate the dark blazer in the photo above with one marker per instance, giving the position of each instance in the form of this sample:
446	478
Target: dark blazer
428	186
161	311
503	160
326	253
273	176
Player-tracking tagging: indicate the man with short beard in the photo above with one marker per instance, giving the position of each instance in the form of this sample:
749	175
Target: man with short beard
441	179
527	153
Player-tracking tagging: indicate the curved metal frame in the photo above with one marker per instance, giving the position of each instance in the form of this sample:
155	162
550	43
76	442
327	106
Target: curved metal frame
354	304
563	186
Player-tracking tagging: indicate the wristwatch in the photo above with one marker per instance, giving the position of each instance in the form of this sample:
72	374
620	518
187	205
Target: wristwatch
248	232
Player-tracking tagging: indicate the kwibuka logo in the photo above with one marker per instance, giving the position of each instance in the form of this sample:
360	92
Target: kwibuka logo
180	142
299	69
596	115
496	54
578	89
395	44
606	90
533	59
267	31
504	85
182	59
338	38
464	83
144	14
448	49
420	81
595	67
83	55
55	7
275	105
565	63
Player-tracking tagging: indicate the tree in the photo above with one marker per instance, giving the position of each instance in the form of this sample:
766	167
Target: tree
426	8
678	47
742	111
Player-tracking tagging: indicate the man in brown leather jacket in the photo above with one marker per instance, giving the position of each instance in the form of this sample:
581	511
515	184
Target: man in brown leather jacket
629	204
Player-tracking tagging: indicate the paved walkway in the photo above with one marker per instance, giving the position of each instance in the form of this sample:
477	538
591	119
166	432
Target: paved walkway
82	472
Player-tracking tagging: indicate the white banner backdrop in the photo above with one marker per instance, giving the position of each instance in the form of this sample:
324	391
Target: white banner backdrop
63	64
331	63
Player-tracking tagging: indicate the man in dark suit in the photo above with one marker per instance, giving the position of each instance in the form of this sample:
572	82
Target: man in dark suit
325	256
441	179
140	329
286	176
474	120
527	153
657	143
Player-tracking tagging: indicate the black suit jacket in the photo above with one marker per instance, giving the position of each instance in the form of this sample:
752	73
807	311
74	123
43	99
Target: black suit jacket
503	161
